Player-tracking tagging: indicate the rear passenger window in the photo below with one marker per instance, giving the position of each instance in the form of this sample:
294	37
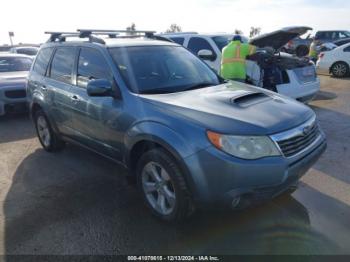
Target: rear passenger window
42	61
62	64
347	49
92	65
196	44
178	40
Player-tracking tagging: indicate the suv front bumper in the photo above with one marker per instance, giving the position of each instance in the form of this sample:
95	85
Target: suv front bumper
219	179
12	99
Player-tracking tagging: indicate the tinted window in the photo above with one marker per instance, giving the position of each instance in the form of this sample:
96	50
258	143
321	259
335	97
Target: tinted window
347	49
27	51
14	64
178	40
92	65
344	34
62	64
196	44
42	60
221	41
162	69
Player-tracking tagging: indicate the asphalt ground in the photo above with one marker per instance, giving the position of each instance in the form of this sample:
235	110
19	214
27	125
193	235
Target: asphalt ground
76	202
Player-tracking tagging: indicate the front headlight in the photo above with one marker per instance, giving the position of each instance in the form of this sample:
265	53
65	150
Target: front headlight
246	147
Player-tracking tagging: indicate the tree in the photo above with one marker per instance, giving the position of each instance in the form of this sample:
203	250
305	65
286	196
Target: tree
174	28
131	29
254	31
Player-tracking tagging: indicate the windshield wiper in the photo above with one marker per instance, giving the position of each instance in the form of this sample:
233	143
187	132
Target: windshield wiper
200	85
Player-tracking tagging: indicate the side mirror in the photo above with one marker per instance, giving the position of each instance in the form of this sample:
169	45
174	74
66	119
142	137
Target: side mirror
206	54
99	87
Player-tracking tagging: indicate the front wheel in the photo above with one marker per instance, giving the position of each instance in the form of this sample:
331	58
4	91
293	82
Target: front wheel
340	69
48	139
163	187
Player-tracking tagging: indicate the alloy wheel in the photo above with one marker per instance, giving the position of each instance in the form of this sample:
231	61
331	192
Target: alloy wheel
43	131
339	69
158	188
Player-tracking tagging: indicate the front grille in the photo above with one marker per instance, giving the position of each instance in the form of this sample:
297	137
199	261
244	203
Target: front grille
299	142
305	74
15	94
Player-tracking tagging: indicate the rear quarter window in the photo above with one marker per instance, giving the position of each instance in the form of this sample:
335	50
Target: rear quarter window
42	61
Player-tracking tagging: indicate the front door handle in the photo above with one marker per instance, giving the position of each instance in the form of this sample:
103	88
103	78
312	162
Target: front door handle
75	99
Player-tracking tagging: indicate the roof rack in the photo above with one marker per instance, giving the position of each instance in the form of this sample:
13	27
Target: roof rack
93	33
117	32
180	33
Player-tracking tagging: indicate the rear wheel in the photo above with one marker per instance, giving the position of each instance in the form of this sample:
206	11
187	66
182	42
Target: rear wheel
163	187
48	139
340	69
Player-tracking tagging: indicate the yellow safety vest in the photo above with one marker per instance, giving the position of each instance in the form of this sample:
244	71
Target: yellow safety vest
233	60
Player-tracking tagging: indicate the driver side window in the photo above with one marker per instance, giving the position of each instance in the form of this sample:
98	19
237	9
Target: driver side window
92	65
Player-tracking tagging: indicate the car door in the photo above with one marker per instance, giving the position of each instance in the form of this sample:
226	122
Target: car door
96	118
59	85
196	43
347	54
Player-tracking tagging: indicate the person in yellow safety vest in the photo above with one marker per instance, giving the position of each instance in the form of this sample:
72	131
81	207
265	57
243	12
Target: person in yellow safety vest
233	59
313	53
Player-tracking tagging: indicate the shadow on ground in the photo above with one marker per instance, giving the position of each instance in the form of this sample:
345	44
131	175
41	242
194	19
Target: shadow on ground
15	127
324	95
75	202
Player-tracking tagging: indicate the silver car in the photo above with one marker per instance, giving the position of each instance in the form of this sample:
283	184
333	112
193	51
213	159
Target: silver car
13	76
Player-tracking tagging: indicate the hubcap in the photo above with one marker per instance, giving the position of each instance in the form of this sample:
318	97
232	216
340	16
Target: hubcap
339	69
43	130
158	188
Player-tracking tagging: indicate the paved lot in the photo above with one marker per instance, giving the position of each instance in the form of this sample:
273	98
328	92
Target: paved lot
76	202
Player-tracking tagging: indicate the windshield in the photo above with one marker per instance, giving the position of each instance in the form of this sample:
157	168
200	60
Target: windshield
162	69
27	51
13	64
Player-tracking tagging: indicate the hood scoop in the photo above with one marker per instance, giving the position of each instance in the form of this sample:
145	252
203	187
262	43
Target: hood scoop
249	99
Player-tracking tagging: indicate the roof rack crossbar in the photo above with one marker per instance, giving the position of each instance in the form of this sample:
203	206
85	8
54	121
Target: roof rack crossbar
61	36
114	33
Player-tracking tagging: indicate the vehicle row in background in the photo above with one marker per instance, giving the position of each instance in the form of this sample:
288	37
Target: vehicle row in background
291	76
301	46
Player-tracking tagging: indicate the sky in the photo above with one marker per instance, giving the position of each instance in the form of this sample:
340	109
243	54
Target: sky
29	19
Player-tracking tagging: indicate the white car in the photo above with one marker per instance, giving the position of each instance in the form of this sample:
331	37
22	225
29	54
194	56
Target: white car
335	61
295	77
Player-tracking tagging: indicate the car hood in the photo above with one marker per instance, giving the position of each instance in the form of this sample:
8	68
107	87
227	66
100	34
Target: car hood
279	38
234	108
13	78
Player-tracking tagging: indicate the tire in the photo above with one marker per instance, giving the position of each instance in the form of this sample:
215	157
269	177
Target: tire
340	69
48	139
163	187
302	51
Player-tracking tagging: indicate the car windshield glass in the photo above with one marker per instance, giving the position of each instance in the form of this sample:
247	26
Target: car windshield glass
221	41
13	64
162	69
27	51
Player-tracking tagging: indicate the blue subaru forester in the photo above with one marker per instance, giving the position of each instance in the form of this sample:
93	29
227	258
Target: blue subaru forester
188	138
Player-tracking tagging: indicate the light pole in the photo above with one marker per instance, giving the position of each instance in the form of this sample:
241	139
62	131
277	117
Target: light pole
11	34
